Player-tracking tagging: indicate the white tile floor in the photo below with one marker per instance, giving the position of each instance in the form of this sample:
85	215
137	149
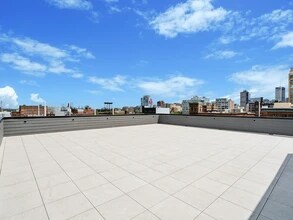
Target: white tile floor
146	172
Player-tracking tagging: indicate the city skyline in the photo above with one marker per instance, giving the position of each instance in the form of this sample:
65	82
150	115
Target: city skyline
88	52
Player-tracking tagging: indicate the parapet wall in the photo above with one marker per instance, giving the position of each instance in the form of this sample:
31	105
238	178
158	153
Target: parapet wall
21	126
1	131
281	126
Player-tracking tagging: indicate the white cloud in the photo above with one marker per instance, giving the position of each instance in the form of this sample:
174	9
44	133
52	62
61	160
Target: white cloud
81	52
37	48
77	75
58	67
269	26
140	2
261	80
37	58
8	97
72	4
222	54
35	97
113	84
286	41
191	16
114	9
111	1
23	64
29	83
174	86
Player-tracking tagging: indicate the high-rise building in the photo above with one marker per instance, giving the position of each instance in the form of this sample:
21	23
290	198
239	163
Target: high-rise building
146	101
244	98
290	87
280	94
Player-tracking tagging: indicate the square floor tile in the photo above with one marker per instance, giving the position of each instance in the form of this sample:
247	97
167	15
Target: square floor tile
68	207
114	174
53	180
174	209
222	177
19	204
91	214
169	184
149	175
145	216
89	182
129	183
102	194
210	186
122	208
57	192
195	197
148	195
224	210
36	213
242	198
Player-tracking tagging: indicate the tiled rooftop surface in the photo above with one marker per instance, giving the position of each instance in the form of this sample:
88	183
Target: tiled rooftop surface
145	173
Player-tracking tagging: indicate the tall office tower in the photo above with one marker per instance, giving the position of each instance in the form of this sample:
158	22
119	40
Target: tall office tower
146	101
290	87
280	94
244	98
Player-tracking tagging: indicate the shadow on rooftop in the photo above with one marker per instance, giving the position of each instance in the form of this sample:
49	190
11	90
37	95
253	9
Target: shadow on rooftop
277	202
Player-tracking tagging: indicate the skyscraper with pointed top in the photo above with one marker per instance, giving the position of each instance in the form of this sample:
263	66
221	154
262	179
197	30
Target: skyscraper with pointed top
290	86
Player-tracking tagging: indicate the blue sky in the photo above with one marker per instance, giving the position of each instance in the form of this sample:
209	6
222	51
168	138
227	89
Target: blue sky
90	51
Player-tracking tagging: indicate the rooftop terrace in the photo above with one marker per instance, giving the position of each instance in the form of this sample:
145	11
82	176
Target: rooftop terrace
147	172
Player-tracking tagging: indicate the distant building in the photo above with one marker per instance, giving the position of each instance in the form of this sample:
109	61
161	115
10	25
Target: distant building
63	111
175	107
87	111
161	104
152	110
225	105
128	110
244	98
290	87
197	108
31	110
283	105
253	104
280	94
146	101
5	114
194	99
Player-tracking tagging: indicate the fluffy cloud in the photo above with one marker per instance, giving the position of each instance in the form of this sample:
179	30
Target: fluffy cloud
269	26
72	4
37	58
113	84
261	80
23	64
8	97
37	48
188	17
29	83
81	52
35	97
174	86
111	1
224	54
286	41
